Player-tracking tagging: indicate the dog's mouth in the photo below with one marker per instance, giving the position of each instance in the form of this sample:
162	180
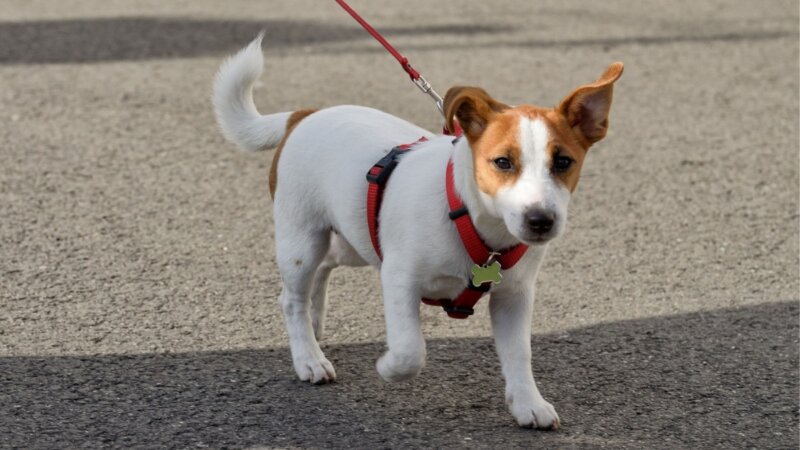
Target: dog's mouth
538	240
534	234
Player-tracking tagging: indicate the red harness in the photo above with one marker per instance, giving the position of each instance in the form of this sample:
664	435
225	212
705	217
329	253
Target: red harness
462	306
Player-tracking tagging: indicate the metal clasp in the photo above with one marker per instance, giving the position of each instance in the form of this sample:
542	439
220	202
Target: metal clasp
492	258
426	87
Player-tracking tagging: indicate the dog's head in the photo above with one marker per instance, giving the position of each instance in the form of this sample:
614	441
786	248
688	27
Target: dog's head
527	160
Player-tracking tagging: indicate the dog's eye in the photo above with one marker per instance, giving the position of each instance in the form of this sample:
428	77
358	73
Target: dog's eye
503	164
562	163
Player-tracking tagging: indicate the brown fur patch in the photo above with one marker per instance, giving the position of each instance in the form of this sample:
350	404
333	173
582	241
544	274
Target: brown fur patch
563	141
473	107
586	108
492	128
499	140
291	123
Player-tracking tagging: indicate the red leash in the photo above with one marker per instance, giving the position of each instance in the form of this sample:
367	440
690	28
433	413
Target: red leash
400	58
418	79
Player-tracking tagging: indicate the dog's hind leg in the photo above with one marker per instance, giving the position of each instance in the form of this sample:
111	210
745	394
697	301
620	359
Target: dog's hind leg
300	251
319	294
341	253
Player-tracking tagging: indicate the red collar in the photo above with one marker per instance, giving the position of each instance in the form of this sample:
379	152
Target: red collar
462	306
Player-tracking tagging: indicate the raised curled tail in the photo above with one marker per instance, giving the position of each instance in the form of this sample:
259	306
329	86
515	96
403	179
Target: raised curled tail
236	113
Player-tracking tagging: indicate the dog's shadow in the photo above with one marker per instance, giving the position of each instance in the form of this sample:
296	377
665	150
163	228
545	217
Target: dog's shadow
682	381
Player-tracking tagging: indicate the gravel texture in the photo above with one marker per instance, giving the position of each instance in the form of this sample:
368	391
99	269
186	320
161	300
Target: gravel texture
137	278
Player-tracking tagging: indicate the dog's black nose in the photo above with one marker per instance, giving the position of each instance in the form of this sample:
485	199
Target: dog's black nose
540	221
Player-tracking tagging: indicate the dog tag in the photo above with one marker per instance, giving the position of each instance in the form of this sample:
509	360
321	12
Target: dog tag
490	272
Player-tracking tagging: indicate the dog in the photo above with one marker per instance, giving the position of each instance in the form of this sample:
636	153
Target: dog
515	169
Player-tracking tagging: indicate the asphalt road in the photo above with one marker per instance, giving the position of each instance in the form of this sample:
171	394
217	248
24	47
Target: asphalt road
137	278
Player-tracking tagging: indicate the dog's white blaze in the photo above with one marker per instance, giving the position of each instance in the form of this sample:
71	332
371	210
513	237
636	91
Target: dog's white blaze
530	188
536	186
534	136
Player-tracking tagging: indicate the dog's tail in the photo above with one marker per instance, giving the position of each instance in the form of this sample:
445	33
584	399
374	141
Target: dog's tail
236	113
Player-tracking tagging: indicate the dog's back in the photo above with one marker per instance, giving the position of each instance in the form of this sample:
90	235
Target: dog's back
319	163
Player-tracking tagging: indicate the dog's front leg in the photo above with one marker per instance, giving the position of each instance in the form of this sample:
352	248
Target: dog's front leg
511	325
406	355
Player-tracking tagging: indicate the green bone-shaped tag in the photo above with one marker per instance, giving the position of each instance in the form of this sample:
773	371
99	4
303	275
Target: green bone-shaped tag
482	274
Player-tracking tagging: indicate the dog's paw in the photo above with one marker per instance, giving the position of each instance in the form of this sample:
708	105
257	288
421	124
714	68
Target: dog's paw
392	367
534	414
315	370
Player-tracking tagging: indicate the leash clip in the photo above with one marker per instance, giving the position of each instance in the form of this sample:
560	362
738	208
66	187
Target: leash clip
426	87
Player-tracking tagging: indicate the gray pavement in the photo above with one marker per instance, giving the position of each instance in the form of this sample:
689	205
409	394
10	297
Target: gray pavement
137	279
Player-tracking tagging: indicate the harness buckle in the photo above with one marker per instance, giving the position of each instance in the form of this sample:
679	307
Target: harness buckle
448	308
380	172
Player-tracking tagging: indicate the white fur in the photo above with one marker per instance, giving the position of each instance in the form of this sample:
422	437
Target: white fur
536	186
236	113
320	222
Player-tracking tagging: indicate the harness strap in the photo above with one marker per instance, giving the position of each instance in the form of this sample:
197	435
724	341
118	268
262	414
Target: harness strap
377	177
475	246
462	306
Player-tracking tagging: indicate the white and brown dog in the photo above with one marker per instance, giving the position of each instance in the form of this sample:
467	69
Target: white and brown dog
515	172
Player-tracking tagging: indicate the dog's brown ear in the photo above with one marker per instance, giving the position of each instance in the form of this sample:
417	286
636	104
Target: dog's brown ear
586	108
473	107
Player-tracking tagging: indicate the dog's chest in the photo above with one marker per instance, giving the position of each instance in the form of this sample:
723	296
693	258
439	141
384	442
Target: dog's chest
442	287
